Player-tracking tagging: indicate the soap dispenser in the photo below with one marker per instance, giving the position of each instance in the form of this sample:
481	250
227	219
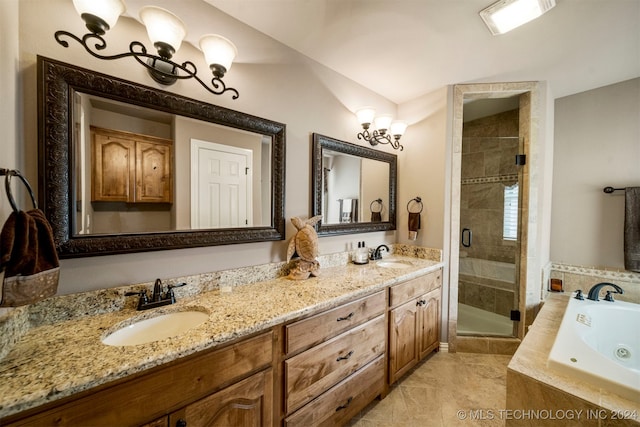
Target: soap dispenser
362	254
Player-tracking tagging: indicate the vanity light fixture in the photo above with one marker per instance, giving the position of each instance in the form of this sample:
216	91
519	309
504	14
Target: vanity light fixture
166	31
505	15
382	124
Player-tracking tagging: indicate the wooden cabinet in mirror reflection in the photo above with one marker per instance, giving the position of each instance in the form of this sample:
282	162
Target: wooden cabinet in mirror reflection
64	162
132	168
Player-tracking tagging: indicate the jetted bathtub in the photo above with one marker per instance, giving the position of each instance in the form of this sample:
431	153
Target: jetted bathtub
599	342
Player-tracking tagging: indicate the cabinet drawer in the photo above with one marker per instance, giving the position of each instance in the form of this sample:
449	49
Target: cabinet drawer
312	372
413	288
320	327
345	400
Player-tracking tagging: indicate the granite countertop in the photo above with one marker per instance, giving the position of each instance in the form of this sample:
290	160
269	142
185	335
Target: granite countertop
58	360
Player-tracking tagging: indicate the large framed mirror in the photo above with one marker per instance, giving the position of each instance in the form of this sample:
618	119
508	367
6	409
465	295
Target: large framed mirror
128	168
354	187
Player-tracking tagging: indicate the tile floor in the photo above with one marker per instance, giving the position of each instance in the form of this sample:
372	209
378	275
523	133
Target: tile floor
434	392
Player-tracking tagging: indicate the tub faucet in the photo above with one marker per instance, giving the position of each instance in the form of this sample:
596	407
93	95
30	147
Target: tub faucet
595	291
377	253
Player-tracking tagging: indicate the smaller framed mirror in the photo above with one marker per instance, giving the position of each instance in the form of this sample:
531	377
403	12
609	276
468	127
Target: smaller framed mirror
353	187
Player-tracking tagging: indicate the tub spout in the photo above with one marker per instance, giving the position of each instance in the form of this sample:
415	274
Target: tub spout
595	291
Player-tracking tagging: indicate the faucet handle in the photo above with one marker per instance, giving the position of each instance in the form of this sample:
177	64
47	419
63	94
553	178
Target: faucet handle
579	295
170	295
609	296
144	299
179	285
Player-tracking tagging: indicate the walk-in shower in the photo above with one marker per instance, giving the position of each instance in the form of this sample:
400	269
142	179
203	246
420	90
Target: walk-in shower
489	217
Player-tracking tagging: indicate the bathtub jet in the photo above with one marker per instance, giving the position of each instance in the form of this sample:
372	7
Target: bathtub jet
599	343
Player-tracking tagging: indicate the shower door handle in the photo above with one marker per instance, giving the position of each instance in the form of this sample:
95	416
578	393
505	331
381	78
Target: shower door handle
467	235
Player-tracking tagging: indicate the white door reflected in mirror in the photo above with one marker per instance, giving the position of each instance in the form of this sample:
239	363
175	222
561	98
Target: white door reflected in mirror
221	189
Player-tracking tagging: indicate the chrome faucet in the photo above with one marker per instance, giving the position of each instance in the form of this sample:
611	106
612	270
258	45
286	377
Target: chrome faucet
377	253
158	299
595	291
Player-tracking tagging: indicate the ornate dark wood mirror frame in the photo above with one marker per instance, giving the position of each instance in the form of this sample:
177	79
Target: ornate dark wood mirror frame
321	142
57	82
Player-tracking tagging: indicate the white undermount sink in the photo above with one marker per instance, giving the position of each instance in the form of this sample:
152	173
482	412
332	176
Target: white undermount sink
393	263
157	328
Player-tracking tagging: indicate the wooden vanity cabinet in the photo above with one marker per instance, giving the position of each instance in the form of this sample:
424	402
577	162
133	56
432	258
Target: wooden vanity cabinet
247	403
214	387
334	363
414	322
130	168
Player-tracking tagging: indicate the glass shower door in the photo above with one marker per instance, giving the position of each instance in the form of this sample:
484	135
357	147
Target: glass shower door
489	244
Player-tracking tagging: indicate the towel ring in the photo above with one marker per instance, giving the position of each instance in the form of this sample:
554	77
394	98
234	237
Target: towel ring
417	200
7	186
378	201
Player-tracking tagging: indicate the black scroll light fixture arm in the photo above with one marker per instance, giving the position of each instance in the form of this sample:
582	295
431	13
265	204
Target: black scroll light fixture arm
160	67
386	131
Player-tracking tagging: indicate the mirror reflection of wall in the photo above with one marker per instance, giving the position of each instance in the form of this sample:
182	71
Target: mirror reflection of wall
102	216
350	185
96	215
375	190
342	173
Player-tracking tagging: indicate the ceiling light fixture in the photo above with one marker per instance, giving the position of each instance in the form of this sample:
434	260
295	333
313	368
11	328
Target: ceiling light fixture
505	15
382	124
166	31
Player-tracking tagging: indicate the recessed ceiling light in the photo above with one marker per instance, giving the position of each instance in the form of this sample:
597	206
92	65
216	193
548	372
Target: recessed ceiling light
505	15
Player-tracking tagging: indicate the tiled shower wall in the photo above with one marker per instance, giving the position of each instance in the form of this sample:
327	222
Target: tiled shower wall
487	294
488	165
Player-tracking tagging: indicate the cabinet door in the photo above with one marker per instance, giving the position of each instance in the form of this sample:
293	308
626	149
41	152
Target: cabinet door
153	172
429	322
403	343
113	169
248	403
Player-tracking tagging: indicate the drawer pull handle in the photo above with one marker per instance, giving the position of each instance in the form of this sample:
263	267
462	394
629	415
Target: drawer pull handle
348	355
347	317
181	423
421	303
346	404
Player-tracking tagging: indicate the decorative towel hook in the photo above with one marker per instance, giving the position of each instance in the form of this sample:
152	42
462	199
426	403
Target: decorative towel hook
8	173
379	202
417	200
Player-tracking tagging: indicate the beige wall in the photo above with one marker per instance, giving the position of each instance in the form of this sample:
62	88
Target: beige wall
285	87
289	88
597	144
10	106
